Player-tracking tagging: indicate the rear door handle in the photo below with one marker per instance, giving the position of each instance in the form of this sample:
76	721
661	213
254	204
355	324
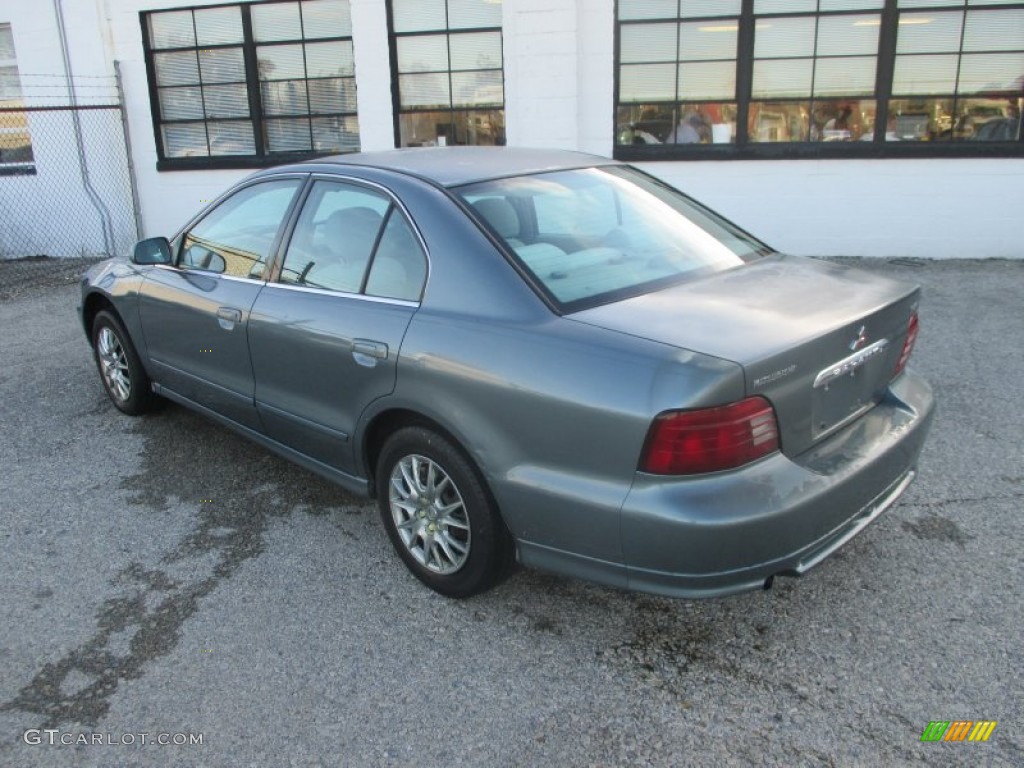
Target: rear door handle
228	316
367	352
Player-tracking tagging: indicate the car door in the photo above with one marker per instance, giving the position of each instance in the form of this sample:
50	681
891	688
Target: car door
195	314
325	335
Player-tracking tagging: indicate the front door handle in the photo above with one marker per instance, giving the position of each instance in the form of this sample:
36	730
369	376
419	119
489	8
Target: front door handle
367	352
228	316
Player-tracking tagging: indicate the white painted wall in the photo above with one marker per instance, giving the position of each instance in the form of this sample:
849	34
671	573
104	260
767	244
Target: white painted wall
559	75
962	208
37	210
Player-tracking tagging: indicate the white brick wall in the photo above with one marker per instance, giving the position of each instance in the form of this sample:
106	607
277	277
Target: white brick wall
559	76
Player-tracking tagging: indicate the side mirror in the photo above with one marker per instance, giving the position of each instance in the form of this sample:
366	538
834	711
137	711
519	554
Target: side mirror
154	250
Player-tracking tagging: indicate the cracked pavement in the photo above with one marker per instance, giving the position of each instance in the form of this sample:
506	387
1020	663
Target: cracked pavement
162	576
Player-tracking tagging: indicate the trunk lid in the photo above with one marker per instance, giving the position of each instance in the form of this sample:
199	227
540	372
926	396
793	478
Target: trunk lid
819	340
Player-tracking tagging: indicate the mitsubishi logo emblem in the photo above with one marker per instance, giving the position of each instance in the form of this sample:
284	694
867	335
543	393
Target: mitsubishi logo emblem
858	342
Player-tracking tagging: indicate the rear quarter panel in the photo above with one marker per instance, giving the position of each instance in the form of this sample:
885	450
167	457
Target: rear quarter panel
553	412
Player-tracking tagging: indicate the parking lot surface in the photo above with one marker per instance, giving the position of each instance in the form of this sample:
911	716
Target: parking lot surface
163	580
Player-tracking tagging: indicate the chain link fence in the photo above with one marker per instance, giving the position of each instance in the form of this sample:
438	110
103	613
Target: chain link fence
65	179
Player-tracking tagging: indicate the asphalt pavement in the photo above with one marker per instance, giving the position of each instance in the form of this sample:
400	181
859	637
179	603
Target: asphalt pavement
162	580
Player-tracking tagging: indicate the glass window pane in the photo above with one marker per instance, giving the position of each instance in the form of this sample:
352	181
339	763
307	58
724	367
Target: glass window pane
467	14
843	120
184	140
425	129
231	138
479	50
648	9
290	135
180	68
284	97
992	72
696	8
330	59
929	32
1001	30
280	62
477	89
6	42
643	124
171	30
850	76
779	121
927	3
785	6
640	43
326	18
851	5
218	26
784	37
333	95
988	119
10	83
222	65
334	237
336	134
181	104
480	127
700	40
426	90
924	74
399	266
275	21
707	123
241	229
707	80
226	100
425	53
782	78
919	119
855	35
418	15
647	82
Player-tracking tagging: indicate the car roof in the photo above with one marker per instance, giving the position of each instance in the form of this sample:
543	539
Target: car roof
452	166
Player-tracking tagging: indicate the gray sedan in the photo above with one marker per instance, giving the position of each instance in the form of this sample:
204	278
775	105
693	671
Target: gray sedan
532	356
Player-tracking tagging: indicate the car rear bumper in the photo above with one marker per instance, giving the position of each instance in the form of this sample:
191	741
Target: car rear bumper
730	532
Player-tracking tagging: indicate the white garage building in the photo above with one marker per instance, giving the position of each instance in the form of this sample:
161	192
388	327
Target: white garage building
826	127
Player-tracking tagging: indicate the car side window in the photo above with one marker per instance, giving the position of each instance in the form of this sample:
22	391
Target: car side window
235	238
399	267
353	240
335	237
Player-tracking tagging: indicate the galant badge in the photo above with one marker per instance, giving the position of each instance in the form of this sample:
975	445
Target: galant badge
850	364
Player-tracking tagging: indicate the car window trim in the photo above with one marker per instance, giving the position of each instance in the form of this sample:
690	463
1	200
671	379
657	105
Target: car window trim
274	274
344	294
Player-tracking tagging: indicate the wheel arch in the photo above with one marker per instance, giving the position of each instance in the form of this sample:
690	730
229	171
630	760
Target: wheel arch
385	424
94	303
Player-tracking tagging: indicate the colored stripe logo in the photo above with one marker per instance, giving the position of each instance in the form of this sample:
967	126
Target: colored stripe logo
958	730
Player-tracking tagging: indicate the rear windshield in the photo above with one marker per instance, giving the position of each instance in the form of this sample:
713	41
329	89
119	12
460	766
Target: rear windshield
593	235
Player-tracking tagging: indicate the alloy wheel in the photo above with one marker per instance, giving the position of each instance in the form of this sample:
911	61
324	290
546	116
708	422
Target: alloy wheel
430	514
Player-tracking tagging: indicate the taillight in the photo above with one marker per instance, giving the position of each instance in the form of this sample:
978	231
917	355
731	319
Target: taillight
710	439
908	345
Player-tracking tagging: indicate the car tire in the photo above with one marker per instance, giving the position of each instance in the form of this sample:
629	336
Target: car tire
121	371
439	515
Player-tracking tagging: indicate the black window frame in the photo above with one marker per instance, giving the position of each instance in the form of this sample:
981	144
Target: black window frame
262	158
743	149
448	30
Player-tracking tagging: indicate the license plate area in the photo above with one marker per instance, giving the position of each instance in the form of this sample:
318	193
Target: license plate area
845	398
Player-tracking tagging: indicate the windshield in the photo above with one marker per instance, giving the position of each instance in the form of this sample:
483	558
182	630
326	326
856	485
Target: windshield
599	234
